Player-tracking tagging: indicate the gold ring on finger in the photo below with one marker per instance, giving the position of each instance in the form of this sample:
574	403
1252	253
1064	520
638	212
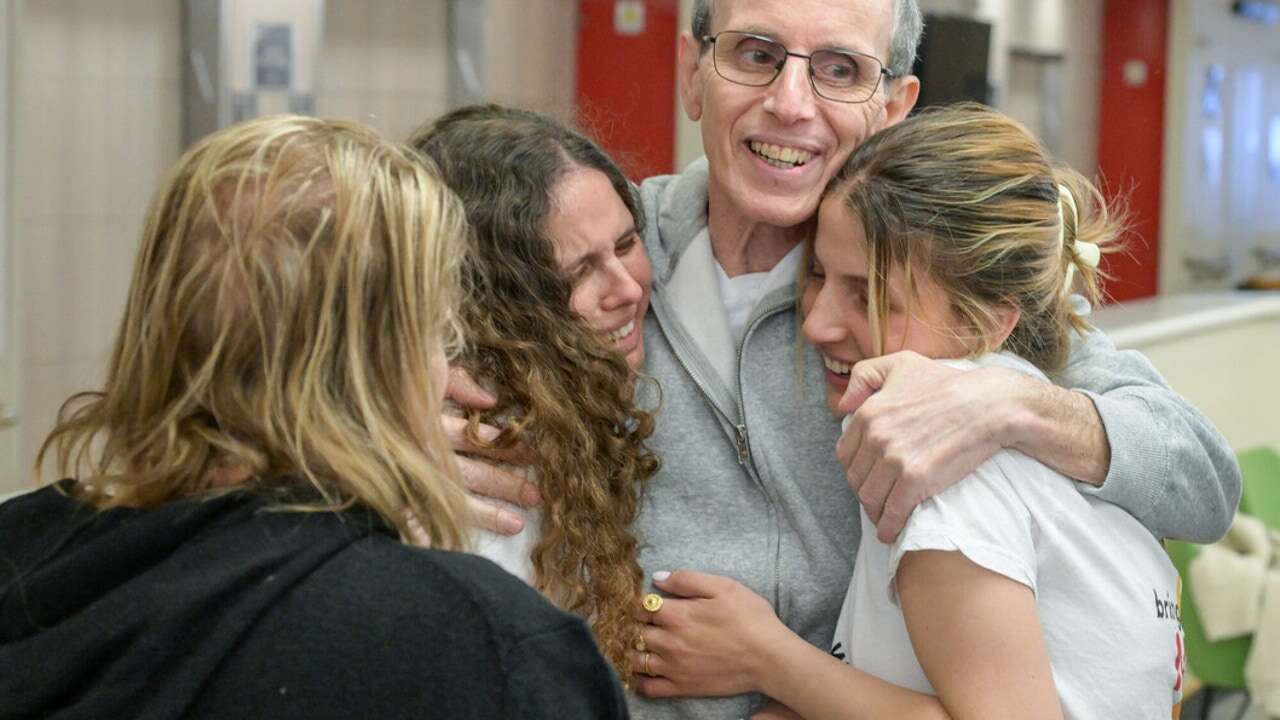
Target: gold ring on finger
652	602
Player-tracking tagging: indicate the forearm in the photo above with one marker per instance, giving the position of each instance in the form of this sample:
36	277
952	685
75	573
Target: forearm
817	686
1170	467
1061	428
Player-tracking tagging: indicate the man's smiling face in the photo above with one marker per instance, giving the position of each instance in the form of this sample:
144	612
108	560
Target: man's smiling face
773	149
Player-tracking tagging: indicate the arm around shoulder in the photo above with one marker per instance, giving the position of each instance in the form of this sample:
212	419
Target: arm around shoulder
1169	467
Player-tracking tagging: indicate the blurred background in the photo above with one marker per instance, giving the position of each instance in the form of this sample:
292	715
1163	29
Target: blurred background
1173	103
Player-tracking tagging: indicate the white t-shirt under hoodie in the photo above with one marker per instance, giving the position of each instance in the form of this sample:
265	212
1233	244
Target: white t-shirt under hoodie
513	553
1105	590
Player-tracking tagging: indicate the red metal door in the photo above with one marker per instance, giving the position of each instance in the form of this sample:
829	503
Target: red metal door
1131	133
626	89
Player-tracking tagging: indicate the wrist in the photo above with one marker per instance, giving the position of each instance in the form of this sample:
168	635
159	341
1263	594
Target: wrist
1013	423
1061	428
777	658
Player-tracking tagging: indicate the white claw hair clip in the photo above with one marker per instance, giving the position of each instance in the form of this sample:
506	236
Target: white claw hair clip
1086	252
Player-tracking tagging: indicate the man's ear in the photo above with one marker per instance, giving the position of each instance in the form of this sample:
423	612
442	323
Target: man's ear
688	57
903	93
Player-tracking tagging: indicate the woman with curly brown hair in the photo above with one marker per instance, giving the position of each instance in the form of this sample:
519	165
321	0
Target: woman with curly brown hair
560	287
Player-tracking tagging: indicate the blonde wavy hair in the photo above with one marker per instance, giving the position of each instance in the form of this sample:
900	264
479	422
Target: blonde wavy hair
970	198
563	390
293	292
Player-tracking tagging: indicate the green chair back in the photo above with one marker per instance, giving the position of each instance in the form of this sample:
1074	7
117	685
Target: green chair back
1217	664
1260	496
1221	664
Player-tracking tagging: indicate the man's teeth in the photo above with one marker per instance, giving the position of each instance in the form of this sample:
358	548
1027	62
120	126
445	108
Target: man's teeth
623	331
778	156
837	367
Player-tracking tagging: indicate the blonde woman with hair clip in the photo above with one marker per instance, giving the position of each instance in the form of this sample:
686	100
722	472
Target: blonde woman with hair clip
227	542
1010	594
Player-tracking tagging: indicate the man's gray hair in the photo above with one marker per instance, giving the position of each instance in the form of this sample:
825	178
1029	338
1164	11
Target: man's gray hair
908	26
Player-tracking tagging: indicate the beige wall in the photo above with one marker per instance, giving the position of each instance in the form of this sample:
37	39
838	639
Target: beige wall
10	398
530	54
384	63
1218	349
1240	403
96	113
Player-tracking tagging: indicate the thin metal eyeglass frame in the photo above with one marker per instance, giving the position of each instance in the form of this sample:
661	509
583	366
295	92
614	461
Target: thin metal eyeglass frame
808	59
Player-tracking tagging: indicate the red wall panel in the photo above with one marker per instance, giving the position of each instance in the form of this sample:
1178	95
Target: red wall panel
1131	134
626	84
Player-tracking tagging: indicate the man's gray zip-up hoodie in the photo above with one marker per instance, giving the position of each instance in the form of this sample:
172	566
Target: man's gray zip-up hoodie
750	487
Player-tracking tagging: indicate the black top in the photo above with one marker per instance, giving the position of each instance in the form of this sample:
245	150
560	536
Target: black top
223	609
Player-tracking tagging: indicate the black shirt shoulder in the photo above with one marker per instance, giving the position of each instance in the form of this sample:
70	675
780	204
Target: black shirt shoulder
420	631
228	606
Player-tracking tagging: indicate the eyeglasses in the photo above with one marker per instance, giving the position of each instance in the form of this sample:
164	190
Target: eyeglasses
839	75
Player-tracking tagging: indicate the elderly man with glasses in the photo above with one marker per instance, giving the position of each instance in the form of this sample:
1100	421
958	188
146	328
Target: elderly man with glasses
751	486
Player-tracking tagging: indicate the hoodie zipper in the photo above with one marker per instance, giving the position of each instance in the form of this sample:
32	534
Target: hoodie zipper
742	438
744	448
740	429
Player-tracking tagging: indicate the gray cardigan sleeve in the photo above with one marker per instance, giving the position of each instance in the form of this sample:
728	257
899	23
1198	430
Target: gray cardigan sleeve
1170	467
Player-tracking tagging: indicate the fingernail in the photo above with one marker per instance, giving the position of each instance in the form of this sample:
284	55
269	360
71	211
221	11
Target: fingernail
530	495
511	523
661	575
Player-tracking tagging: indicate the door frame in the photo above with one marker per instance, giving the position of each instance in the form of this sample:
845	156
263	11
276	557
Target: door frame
11	465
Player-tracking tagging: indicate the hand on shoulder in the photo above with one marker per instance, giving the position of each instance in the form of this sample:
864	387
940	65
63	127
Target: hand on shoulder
483	468
917	426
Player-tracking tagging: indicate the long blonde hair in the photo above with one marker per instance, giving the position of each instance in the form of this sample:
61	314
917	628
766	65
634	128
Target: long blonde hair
563	389
970	198
295	278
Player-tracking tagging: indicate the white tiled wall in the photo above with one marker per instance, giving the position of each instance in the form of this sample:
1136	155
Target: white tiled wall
10	397
96	112
384	63
530	54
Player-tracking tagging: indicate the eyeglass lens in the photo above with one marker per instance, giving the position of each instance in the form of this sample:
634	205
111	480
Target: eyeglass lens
753	60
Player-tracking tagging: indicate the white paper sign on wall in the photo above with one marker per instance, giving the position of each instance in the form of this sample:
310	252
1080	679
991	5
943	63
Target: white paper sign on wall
273	56
1135	73
628	17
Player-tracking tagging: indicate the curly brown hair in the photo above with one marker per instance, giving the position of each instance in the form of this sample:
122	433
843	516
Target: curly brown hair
563	389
